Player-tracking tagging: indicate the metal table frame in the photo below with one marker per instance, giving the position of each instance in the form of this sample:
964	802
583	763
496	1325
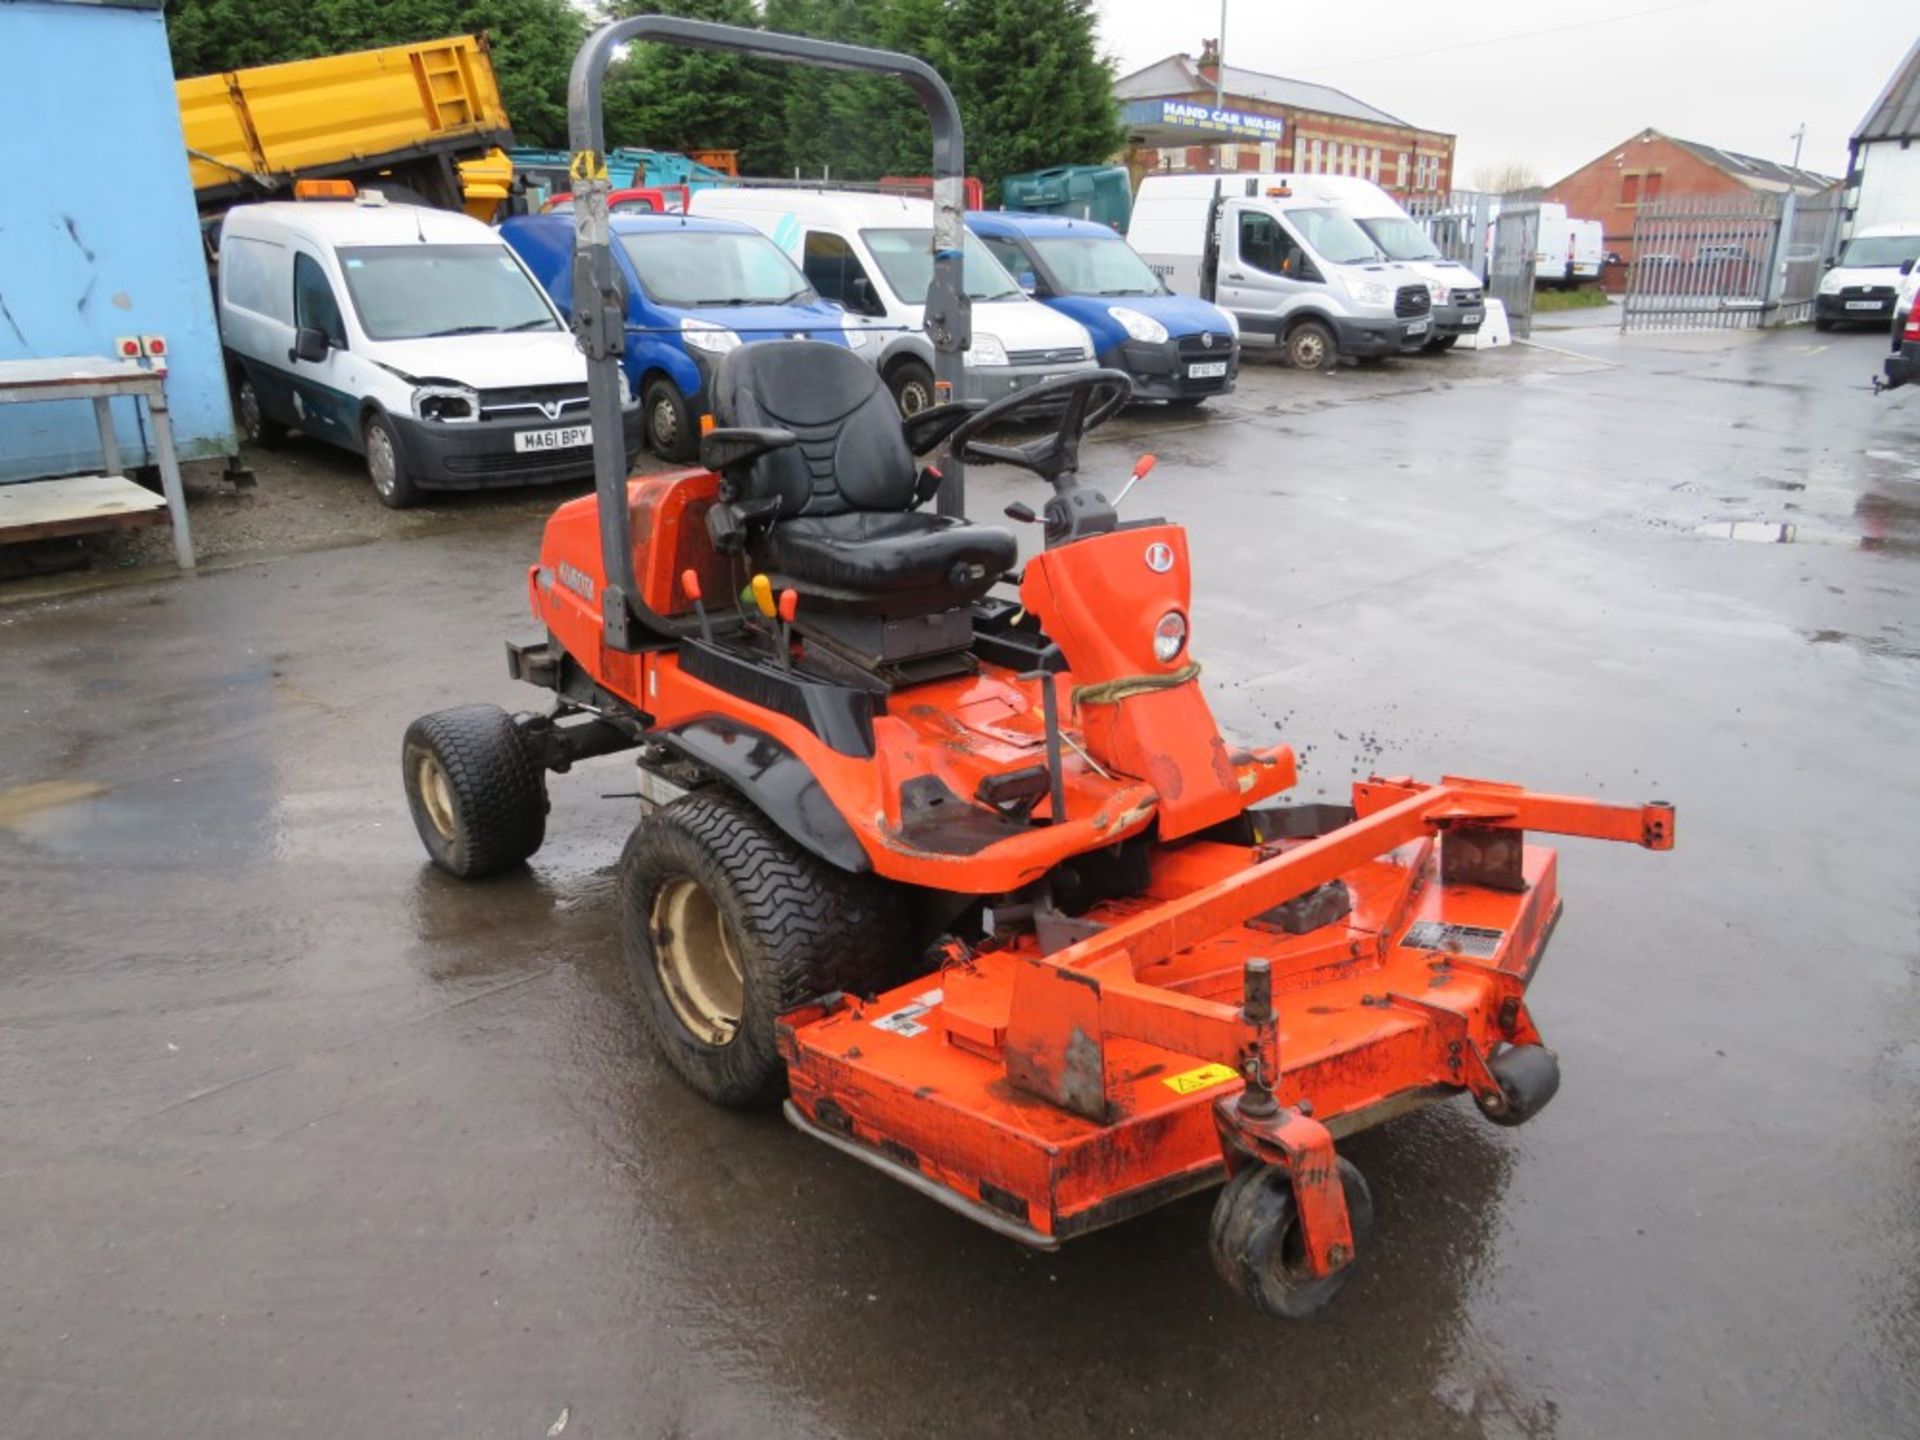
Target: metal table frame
99	379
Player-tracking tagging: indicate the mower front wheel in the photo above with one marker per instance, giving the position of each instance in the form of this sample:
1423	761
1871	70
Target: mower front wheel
1258	1248
478	799
726	925
1529	1077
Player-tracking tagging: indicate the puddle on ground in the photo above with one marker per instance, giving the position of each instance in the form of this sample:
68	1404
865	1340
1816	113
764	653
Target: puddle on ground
22	801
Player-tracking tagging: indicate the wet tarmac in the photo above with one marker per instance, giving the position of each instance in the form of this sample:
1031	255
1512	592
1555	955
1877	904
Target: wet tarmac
299	1137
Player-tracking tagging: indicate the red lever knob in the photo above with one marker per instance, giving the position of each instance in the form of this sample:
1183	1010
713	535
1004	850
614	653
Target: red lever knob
690	582
789	603
1142	466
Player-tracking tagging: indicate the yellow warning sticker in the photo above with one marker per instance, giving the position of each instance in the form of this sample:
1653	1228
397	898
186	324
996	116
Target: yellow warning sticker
1207	1076
587	165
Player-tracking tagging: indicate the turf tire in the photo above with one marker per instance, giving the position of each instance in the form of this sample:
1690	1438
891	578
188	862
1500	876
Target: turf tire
493	813
799	929
1256	1246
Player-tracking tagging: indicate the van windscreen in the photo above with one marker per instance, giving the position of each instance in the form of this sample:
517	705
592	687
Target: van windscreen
1871	252
416	292
1332	236
693	268
1401	238
906	259
1097	265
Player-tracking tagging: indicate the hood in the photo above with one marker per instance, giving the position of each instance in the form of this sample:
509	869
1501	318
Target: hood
816	320
1842	275
485	362
1025	324
1181	314
1445	272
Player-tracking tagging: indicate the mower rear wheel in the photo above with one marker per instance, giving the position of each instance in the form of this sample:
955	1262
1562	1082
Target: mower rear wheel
1258	1249
726	925
1529	1077
478	799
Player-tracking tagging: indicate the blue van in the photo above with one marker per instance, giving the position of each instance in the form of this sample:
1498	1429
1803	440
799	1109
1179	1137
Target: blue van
1174	347
696	288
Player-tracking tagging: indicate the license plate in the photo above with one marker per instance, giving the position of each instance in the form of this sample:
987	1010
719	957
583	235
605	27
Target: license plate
1211	370
561	437
1471	317
1418	327
1864	305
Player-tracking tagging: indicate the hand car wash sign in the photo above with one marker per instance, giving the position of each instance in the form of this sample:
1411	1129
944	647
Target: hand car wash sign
1195	118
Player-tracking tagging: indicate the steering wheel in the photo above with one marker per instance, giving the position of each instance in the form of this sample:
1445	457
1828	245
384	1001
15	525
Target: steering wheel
1092	397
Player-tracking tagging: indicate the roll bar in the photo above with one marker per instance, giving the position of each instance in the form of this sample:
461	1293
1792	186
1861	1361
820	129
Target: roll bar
599	306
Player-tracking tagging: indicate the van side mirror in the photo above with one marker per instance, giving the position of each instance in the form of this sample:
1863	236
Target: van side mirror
860	296
1906	266
309	344
1027	281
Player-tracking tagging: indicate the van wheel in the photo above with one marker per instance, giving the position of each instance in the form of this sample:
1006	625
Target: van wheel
1822	324
912	387
1310	346
385	467
671	433
254	423
1443	342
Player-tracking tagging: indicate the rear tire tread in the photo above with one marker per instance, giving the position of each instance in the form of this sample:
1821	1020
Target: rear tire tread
500	794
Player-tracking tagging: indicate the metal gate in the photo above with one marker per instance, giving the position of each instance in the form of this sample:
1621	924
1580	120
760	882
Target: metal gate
1516	240
1703	262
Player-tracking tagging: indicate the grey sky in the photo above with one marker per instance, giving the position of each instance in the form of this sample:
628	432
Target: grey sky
1740	74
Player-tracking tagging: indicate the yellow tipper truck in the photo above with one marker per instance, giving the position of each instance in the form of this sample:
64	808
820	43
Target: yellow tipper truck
425	117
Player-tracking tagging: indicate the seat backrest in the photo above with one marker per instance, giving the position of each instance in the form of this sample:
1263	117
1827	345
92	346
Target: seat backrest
852	453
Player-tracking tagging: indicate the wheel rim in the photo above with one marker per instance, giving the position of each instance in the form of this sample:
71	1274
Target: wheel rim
664	423
1308	350
436	795
914	397
249	410
382	464
699	967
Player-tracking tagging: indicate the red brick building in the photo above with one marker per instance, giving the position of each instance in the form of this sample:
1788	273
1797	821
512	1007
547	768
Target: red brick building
1612	187
1268	122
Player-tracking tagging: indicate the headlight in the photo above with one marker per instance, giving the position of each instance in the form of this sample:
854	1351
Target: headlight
1233	323
1169	637
450	404
705	335
1140	327
1369	292
987	349
856	336
1830	283
626	390
1440	293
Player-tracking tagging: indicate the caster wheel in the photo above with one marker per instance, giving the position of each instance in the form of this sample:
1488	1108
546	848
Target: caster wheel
1257	1246
1529	1077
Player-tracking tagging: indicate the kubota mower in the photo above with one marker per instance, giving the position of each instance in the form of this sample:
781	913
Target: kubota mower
972	877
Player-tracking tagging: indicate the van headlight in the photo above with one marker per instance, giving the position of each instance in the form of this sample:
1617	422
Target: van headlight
1440	293
987	349
1143	328
707	336
448	404
1369	292
1830	283
1169	637
626	389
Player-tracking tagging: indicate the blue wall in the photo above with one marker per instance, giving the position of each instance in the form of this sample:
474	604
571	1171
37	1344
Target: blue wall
98	233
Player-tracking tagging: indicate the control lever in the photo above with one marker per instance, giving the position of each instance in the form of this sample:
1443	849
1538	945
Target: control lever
1023	513
789	606
1140	469
690	582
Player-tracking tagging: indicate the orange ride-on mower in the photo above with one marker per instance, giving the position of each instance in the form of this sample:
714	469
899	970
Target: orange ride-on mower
973	879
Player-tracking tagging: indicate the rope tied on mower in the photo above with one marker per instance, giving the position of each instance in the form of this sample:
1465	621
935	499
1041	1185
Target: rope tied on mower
1125	687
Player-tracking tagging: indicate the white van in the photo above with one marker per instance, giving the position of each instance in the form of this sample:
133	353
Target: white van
413	337
1863	285
874	255
1586	250
1459	296
1286	260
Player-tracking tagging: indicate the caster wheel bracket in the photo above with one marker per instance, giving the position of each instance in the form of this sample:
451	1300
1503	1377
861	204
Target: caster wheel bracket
1301	1148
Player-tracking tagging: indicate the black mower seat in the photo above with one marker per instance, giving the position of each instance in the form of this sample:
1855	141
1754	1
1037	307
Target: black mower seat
843	524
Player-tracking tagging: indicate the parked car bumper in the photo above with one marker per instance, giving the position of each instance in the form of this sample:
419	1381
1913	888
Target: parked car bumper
481	456
996	382
1840	307
1366	338
1166	371
1458	319
1903	366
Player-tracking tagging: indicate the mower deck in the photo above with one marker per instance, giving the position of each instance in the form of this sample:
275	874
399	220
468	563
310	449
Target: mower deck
1373	1013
